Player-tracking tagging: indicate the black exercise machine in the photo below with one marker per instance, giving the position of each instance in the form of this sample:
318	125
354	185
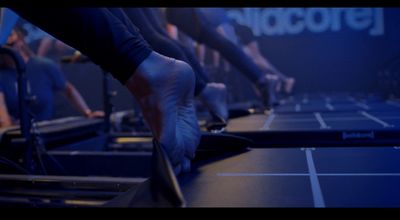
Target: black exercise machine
80	147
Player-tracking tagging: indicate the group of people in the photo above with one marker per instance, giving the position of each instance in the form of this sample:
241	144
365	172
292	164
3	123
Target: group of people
141	47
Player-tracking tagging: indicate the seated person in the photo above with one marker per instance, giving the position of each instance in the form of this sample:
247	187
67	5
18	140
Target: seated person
42	43
44	78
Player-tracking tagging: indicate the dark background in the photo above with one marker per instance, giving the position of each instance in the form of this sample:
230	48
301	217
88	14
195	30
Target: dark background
346	60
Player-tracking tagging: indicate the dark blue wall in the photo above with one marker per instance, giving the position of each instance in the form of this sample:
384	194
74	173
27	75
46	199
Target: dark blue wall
326	49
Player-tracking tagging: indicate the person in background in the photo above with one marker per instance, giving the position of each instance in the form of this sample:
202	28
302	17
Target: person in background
44	79
43	44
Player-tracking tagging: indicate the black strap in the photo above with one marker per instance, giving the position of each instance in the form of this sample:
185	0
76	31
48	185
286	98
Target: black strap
160	190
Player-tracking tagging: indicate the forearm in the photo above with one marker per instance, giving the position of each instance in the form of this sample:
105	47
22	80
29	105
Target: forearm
45	46
274	69
5	119
216	58
201	51
172	31
75	98
262	62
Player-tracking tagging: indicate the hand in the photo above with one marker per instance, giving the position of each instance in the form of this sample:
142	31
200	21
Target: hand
94	114
75	57
5	122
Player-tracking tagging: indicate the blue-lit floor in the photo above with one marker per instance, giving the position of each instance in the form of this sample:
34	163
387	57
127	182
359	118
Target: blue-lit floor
306	174
302	177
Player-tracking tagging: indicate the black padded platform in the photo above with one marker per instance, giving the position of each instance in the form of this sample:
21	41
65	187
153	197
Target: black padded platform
58	132
347	123
297	177
304	175
61	191
161	189
335	103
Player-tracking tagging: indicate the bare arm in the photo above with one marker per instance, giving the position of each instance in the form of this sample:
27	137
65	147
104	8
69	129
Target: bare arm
75	98
201	52
45	46
253	51
5	119
172	31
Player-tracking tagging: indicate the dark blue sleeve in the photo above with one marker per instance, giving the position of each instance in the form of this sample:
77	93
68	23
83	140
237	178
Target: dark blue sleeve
244	33
214	16
56	75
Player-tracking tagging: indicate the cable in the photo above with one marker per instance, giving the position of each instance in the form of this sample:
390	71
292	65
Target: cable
41	150
14	165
